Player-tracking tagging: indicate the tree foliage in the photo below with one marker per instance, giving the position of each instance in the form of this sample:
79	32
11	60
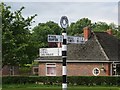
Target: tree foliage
77	27
100	26
40	33
103	27
16	44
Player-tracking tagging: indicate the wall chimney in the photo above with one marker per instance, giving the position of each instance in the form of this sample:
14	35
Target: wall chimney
109	31
87	33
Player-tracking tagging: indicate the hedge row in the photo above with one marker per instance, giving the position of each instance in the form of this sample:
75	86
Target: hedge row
72	80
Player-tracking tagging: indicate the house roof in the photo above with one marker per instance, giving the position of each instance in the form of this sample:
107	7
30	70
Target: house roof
110	44
100	47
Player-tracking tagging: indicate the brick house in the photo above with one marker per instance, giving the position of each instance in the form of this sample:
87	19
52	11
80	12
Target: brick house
99	56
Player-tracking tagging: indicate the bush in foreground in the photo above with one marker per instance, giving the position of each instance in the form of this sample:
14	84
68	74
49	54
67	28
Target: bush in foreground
57	80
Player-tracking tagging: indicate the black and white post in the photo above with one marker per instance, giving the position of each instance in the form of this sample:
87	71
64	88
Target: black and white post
64	25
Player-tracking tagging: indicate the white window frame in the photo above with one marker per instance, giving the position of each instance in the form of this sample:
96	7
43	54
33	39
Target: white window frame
51	65
93	71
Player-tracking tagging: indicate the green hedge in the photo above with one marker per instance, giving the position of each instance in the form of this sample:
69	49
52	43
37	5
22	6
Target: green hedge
72	80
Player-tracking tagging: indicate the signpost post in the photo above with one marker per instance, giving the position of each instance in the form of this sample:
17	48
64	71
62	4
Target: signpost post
64	25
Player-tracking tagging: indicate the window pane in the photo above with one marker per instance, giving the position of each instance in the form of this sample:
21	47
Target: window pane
51	71
35	69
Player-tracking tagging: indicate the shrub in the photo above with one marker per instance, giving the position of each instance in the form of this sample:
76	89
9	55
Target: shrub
57	80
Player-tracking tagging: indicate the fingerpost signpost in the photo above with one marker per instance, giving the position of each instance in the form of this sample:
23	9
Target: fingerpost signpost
64	39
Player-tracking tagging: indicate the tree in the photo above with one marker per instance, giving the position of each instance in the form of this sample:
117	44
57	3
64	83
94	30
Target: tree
113	26
118	34
54	27
40	33
100	26
16	44
77	28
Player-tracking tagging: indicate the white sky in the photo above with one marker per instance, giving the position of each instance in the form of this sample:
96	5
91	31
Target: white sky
46	11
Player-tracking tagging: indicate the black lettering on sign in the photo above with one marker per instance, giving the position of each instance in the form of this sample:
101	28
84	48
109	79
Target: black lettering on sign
77	39
70	39
43	51
53	38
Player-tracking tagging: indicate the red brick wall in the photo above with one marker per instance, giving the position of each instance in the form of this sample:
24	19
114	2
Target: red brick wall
6	70
85	69
42	69
76	69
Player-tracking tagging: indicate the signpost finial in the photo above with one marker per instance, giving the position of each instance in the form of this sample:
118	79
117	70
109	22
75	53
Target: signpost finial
64	22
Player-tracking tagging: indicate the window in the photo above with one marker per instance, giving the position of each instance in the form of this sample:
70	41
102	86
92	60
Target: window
118	69
35	70
51	69
96	71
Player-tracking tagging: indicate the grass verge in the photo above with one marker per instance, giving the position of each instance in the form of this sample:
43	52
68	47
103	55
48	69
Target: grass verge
49	87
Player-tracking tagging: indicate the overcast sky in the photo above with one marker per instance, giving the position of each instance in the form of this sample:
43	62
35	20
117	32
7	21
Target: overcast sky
46	11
